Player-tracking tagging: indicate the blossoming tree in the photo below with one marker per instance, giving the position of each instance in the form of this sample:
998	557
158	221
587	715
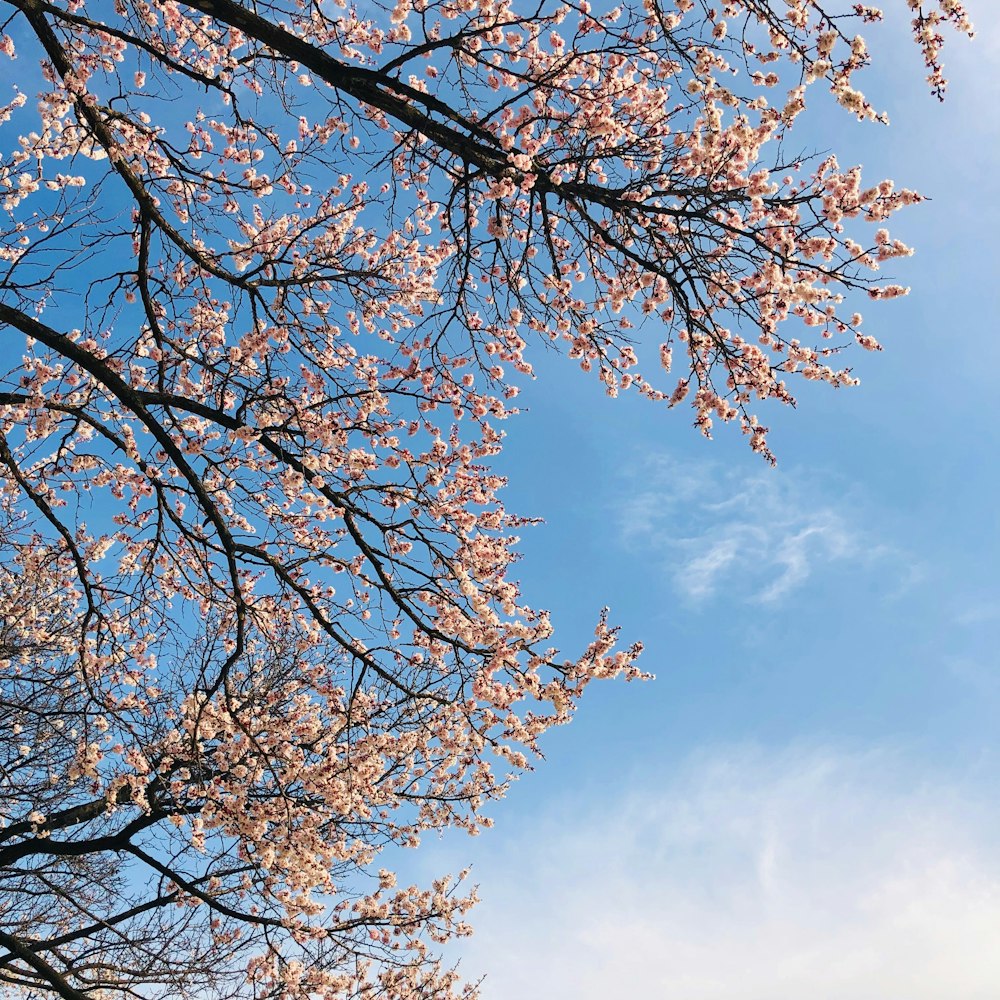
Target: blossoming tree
269	276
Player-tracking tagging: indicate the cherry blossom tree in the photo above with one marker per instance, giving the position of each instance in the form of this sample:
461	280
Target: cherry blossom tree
270	275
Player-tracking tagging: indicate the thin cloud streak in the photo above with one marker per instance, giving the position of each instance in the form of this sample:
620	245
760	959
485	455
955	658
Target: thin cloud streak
769	535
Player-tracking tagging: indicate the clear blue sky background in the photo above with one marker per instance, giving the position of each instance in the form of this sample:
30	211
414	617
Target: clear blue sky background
805	800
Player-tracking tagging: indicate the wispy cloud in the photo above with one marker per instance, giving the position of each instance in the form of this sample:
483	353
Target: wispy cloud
766	532
754	876
978	612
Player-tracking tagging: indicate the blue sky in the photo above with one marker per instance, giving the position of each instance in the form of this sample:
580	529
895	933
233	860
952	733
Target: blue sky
804	802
